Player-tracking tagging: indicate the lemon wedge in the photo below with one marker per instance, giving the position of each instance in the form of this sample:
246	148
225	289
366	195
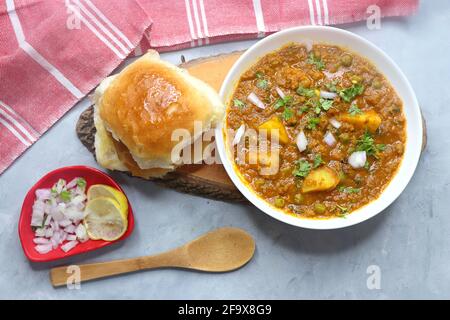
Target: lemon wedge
102	190
105	219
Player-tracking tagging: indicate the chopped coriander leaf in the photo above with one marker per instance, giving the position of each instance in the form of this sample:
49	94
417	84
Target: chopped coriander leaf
349	189
238	103
303	168
367	143
312	123
350	93
306	92
317	108
262	83
287	113
278	104
65	195
344	211
367	165
354	110
326	104
259	74
81	183
317	161
312	59
323	104
287	100
303	109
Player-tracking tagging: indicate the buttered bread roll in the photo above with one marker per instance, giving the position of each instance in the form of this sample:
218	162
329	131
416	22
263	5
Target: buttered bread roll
138	110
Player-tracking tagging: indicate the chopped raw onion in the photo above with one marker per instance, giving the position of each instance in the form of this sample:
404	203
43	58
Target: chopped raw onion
255	100
329	139
301	141
69	246
71	237
280	93
336	74
308	44
327	95
43	194
357	159
57	213
81	233
239	134
43	248
40	240
335	123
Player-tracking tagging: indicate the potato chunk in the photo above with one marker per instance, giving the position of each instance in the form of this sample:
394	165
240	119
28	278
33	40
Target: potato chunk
275	126
369	119
320	179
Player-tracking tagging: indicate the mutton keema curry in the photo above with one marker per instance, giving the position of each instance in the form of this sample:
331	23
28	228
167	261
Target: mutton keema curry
340	127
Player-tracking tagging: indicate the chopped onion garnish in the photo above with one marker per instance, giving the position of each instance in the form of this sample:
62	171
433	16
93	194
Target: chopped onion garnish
329	139
239	134
255	100
301	141
357	159
43	248
43	194
335	123
81	233
308	44
336	74
280	93
327	95
40	240
69	245
57	213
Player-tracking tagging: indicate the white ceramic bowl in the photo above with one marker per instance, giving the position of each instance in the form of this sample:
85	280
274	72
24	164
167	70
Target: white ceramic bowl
385	65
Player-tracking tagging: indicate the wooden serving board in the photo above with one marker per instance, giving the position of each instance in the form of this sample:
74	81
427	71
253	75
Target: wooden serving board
206	180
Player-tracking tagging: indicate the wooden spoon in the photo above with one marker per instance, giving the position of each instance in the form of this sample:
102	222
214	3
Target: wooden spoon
221	250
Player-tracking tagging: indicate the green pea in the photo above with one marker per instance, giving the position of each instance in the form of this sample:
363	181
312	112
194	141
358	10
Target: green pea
344	137
347	60
319	208
377	84
260	182
279	202
298	198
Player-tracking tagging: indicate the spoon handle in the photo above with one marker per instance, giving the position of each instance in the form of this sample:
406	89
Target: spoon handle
61	276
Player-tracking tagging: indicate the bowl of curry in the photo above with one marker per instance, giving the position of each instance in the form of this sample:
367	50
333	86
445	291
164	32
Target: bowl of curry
322	129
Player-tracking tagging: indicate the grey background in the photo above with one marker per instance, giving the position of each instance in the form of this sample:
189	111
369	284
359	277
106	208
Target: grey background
410	241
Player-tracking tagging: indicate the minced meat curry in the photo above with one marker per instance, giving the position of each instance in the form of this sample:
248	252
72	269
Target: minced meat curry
340	128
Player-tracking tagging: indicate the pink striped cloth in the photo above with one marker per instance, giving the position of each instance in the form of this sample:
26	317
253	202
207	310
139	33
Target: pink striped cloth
54	52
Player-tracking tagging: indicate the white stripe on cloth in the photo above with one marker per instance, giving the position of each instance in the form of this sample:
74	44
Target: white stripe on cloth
205	22
259	18
121	46
36	56
197	22
17	123
319	13
75	10
110	24
311	12
325	12
191	25
14	131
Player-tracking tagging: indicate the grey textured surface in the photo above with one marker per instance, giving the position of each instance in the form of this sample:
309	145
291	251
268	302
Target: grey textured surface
410	241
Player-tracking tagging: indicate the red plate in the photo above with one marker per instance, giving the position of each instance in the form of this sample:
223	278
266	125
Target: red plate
26	234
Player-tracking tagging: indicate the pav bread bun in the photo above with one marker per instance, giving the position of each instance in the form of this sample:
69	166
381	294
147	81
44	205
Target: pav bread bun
138	110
